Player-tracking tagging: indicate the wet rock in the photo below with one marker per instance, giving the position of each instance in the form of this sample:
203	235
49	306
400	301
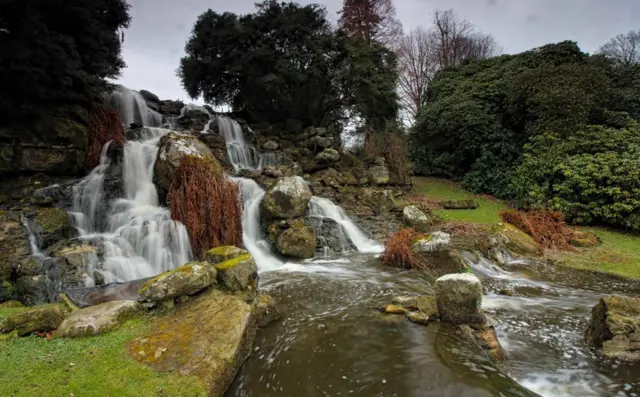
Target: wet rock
519	242
484	336
299	243
415	218
75	258
406	301
615	327
172	149
266	310
170	108
392	309
217	145
317	143
193	121
427	304
439	255
98	319
418	318
51	225
287	199
238	274
379	175
459	297
149	96
208	336
188	279
331	236
223	254
270	145
278	171
40	319
459	204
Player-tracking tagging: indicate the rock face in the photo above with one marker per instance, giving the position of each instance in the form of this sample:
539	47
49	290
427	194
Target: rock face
186	280
238	274
415	218
97	319
297	242
615	328
439	254
459	297
41	319
172	149
287	199
209	337
14	249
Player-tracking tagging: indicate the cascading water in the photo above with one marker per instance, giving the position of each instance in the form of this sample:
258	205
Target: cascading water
241	155
132	108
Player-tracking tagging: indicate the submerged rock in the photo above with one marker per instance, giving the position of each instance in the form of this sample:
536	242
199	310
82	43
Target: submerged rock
238	274
392	309
287	199
297	242
266	310
459	297
485	337
415	218
188	279
41	319
418	318
615	328
98	319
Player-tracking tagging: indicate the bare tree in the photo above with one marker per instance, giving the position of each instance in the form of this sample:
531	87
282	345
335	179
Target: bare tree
624	48
371	20
418	63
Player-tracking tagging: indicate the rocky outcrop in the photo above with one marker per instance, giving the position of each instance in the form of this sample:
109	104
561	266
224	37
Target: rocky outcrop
186	280
97	319
193	121
287	199
41	319
439	254
51	225
415	218
615	328
172	149
14	249
297	242
459	297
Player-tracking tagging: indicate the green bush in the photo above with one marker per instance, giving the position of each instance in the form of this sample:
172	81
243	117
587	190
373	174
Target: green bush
593	176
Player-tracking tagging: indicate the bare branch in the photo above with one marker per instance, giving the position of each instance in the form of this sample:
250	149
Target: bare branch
624	48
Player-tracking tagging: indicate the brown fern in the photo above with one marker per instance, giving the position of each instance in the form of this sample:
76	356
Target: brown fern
547	228
104	126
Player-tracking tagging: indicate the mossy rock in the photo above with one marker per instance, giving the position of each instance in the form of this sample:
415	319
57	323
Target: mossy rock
53	225
38	319
238	274
11	305
459	204
297	242
99	319
188	279
427	305
520	242
287	199
614	326
223	254
266	310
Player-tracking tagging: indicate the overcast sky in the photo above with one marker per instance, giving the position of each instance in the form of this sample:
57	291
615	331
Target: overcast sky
159	29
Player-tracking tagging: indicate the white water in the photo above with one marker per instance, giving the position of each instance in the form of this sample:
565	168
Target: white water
242	155
132	108
33	239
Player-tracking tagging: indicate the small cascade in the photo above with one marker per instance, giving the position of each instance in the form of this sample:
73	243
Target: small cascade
33	238
322	208
241	155
132	108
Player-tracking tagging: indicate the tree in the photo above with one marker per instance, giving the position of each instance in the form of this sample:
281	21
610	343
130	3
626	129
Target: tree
282	62
623	49
58	52
371	20
417	67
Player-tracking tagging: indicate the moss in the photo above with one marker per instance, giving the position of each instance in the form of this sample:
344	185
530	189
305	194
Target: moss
187	268
232	262
222	251
52	219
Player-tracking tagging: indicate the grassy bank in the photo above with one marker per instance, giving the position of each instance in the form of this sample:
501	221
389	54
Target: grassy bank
97	366
619	252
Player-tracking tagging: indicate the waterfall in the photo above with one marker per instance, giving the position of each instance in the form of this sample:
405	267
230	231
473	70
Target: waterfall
132	108
33	239
241	155
322	208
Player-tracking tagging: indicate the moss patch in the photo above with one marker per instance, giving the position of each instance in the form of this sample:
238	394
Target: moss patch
97	366
232	262
52	219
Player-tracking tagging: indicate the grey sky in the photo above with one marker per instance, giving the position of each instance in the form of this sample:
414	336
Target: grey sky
159	29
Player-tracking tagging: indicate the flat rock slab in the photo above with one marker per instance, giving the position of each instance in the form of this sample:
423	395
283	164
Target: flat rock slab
208	336
98	319
91	296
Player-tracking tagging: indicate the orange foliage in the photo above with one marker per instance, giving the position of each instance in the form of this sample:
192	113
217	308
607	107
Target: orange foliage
207	203
463	228
104	126
546	227
398	251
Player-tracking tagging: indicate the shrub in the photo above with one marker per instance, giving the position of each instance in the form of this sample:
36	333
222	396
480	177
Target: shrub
546	227
207	203
104	126
398	252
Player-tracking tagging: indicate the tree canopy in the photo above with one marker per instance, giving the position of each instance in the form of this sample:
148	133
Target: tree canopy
57	52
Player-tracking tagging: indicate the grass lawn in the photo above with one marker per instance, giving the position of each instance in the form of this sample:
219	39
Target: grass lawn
98	366
442	189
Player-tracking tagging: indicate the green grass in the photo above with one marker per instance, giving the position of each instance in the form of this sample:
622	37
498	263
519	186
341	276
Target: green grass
98	366
487	212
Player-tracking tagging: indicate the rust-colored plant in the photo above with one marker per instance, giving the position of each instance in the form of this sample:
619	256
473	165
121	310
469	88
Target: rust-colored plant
104	126
547	228
207	203
398	251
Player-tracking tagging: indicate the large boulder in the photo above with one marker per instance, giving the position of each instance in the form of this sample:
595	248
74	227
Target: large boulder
172	149
40	319
188	279
299	242
615	327
97	319
439	254
459	297
415	218
287	199
238	274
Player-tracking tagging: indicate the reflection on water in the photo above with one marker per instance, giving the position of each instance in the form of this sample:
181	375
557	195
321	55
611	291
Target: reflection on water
331	341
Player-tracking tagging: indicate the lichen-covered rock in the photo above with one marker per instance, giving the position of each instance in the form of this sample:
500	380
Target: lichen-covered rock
415	218
459	204
188	279
46	318
379	174
459	297
172	149
223	254
52	225
266	310
287	199
328	156
238	274
615	327
299	243
427	304
97	319
439	254
209	336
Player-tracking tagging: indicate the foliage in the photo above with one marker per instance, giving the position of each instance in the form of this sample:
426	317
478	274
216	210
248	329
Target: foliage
593	176
104	126
207	203
398	252
546	227
57	51
371	21
282	62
